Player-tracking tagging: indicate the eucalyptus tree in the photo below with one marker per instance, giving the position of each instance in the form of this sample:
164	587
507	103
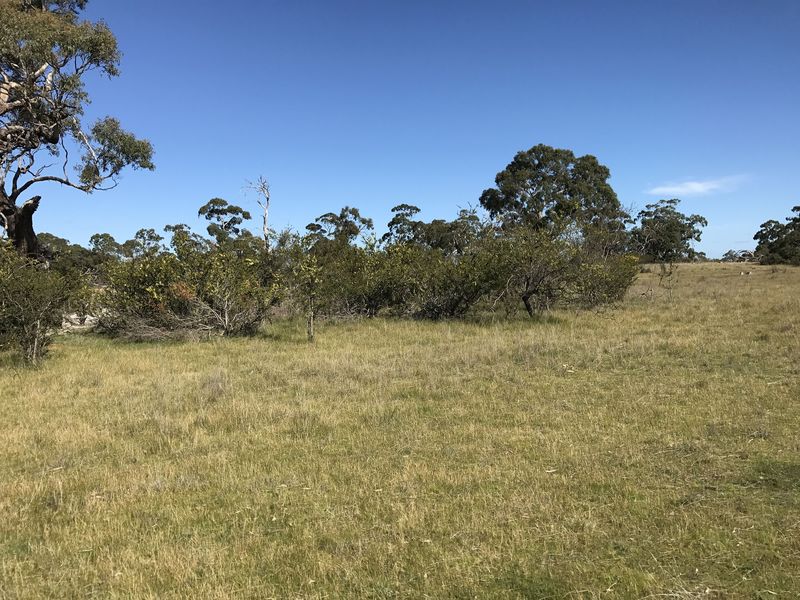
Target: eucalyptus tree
546	188
46	54
780	242
664	234
343	228
224	219
559	212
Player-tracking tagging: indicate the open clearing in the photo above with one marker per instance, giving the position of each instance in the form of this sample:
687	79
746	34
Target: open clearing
650	450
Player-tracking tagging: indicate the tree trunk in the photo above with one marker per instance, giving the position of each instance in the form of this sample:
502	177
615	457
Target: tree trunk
310	320
526	299
266	222
527	292
18	223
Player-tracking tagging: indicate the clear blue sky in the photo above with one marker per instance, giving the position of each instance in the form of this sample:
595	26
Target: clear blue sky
372	103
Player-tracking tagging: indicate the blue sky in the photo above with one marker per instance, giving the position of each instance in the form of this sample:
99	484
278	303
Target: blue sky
372	103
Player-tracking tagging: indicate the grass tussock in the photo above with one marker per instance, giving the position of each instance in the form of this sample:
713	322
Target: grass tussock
646	451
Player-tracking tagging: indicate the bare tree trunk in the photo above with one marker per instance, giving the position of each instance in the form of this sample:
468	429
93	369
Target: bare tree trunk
266	220
310	320
18	223
261	187
526	300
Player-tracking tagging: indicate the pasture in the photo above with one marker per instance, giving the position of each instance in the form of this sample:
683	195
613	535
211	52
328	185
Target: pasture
650	450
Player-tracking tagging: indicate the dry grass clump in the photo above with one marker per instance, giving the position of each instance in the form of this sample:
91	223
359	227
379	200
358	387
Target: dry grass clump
648	451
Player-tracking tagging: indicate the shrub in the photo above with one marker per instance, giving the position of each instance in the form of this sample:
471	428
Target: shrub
226	288
33	300
605	281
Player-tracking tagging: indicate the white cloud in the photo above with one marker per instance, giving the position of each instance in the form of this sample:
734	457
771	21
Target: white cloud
697	188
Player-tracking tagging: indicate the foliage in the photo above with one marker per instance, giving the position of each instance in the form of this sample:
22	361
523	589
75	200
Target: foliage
236	287
566	251
46	54
144	292
448	287
306	279
225	219
33	300
738	256
67	258
605	281
546	188
564	230
196	287
779	243
451	237
445	269
343	270
342	228
664	234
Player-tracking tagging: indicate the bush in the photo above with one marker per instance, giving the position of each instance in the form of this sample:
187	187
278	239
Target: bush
544	271
414	281
605	281
33	300
197	290
144	299
451	286
521	266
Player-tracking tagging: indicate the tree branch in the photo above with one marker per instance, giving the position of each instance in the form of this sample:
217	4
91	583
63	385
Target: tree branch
14	195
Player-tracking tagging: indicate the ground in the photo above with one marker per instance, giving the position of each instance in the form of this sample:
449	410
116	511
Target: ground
649	450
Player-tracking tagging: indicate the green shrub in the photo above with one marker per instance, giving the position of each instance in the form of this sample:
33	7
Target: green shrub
33	300
226	288
606	280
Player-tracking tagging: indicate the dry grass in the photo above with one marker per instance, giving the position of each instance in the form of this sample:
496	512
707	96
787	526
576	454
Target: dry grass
649	451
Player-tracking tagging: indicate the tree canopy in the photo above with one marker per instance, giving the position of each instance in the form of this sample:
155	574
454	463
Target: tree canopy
225	219
664	234
546	187
780	242
46	52
343	228
451	237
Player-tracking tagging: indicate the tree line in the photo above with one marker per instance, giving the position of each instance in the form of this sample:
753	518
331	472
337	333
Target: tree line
551	231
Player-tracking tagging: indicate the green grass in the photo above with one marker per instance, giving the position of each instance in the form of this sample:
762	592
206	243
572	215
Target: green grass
651	450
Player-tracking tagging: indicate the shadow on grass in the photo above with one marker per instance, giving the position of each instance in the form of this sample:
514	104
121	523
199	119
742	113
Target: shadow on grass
12	361
541	586
513	321
291	331
109	339
777	475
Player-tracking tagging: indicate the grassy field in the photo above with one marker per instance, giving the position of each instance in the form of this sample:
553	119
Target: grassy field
647	451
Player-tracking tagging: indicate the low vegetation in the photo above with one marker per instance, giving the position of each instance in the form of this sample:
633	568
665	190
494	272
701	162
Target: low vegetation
645	451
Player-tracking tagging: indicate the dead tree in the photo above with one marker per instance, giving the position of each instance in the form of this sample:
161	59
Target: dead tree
261	187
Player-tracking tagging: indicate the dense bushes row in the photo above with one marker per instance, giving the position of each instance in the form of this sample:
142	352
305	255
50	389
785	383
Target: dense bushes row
553	234
230	286
193	288
196	286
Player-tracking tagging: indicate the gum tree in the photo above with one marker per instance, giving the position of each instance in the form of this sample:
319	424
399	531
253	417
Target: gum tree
561	214
664	234
780	242
551	189
46	52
